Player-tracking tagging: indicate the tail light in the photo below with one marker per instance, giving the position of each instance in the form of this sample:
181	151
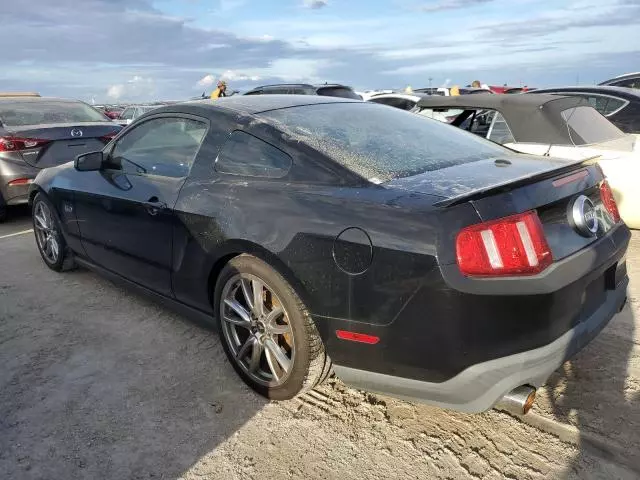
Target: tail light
20	181
108	137
15	144
513	245
609	201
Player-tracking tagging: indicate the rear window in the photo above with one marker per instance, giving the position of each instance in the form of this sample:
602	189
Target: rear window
342	92
587	126
18	114
381	143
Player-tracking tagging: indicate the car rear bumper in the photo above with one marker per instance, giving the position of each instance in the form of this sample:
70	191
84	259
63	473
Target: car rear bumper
10	171
480	386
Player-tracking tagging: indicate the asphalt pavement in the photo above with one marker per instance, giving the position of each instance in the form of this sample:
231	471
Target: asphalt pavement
98	382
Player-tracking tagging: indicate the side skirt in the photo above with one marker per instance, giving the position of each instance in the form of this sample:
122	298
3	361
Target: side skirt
198	316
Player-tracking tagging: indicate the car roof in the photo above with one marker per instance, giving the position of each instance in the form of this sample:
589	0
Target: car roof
603	89
485	101
304	85
531	118
252	104
415	96
621	77
38	99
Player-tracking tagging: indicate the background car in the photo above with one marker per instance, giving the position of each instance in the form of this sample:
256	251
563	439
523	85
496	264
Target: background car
552	125
620	105
37	132
409	102
628	80
132	112
319	236
113	112
325	90
403	101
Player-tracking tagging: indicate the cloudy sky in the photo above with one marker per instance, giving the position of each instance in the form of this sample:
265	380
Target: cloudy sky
137	50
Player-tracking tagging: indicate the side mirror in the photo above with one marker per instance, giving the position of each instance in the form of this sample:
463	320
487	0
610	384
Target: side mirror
89	162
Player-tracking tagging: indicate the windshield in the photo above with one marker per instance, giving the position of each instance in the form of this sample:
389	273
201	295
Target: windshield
19	114
381	143
587	126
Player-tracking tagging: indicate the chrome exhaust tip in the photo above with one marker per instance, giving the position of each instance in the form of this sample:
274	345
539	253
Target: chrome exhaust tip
518	401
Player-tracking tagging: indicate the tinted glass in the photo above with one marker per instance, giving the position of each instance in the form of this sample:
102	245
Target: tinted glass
127	114
357	136
342	92
499	131
18	114
161	146
146	109
612	105
630	83
587	126
244	154
401	103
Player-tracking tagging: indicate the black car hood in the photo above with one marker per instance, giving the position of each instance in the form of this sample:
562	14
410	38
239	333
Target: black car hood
461	180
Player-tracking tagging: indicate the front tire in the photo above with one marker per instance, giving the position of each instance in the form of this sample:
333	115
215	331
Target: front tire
266	330
48	232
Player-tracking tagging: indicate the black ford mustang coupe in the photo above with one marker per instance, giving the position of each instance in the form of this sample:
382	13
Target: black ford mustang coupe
408	256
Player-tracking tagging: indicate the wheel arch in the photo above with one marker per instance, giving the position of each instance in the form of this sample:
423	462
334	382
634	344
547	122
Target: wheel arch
235	248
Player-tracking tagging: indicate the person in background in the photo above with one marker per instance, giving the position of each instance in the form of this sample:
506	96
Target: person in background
221	91
476	84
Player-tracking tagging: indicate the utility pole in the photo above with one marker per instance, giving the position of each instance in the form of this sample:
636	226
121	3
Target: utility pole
430	79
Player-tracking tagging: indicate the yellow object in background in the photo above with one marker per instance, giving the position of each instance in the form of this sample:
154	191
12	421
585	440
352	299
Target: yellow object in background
455	91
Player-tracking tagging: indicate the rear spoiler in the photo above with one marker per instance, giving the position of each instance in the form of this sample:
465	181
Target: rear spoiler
518	182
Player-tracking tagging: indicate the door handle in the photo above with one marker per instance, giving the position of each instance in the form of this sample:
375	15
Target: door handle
154	205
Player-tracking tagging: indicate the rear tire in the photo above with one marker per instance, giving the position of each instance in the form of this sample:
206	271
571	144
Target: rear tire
275	347
48	232
3	213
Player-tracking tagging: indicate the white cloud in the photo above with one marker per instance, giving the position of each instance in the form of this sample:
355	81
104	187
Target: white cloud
134	88
232	76
207	81
115	91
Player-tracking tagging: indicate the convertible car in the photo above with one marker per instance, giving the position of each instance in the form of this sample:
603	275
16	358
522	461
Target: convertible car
419	260
551	125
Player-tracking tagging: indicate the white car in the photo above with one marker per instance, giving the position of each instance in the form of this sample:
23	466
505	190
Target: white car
550	125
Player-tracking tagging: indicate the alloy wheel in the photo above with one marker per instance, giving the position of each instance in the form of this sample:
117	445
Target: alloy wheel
257	329
46	232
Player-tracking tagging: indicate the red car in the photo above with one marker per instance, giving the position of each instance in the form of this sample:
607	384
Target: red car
506	89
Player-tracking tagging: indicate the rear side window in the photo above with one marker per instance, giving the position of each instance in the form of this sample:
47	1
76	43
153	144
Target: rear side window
128	113
244	154
357	136
499	131
612	106
19	114
342	92
587	126
629	83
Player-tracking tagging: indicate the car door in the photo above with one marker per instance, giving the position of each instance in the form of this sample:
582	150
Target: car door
126	217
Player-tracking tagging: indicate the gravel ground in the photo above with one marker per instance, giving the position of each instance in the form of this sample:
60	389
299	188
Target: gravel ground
98	382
